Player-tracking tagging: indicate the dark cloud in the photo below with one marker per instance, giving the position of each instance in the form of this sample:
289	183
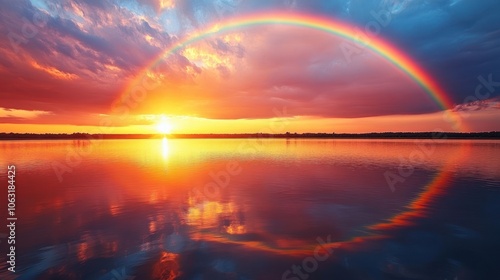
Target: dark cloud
454	40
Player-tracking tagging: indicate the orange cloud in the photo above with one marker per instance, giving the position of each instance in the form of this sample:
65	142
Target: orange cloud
167	4
54	72
23	114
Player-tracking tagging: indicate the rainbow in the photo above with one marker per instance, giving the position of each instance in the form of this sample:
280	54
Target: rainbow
392	54
397	57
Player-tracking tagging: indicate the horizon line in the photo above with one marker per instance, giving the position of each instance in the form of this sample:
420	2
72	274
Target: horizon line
437	135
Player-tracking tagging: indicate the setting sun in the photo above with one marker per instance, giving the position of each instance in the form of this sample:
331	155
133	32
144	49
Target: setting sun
164	126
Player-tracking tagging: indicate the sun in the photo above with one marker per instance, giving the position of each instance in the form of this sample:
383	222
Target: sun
164	126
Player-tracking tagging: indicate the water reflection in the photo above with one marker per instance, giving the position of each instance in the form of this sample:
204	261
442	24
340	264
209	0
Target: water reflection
120	208
164	148
167	267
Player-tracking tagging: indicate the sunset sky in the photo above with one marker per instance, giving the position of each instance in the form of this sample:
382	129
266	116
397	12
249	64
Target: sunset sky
105	66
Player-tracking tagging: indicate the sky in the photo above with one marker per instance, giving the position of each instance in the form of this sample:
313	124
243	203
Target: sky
89	66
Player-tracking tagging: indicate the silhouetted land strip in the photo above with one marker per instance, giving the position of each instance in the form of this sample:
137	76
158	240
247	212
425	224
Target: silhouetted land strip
375	135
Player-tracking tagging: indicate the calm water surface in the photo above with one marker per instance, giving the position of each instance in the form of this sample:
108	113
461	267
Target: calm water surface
254	209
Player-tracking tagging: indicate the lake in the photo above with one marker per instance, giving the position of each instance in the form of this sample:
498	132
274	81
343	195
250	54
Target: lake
254	209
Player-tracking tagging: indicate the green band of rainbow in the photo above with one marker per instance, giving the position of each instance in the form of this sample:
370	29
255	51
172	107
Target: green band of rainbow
349	32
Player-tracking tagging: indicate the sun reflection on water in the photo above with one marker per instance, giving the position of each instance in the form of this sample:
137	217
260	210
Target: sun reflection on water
165	149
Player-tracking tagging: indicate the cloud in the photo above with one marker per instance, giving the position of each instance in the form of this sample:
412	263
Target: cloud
478	105
78	60
21	114
75	58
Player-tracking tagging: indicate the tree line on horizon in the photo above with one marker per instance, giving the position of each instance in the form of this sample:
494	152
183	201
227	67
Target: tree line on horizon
287	135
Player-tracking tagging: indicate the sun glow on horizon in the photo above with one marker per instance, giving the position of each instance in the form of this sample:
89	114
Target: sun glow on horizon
164	126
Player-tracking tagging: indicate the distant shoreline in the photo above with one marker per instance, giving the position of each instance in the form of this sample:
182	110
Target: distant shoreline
493	135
